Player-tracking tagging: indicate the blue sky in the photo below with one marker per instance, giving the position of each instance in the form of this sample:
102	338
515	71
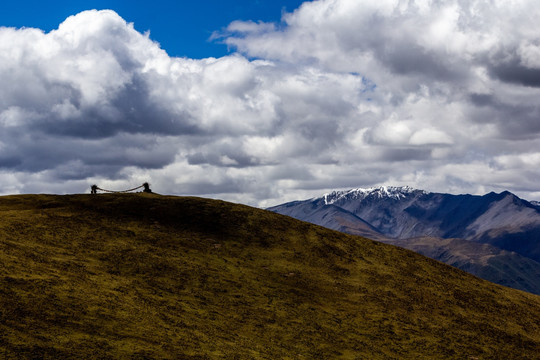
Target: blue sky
181	27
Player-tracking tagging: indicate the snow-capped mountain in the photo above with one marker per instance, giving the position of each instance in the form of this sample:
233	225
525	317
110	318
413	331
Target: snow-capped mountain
390	192
404	212
393	214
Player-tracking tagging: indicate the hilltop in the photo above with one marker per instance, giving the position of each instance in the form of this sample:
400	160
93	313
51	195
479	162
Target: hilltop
144	276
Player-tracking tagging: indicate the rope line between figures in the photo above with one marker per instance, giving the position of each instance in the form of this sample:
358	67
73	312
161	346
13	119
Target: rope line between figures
94	189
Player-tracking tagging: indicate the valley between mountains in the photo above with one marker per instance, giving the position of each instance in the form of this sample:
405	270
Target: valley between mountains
144	276
495	236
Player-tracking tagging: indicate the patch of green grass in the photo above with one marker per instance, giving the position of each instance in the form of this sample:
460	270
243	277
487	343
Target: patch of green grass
155	277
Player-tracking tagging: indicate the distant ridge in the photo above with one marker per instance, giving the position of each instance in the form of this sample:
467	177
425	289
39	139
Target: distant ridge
394	214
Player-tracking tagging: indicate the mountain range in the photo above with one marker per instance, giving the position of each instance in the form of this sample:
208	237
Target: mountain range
494	236
145	276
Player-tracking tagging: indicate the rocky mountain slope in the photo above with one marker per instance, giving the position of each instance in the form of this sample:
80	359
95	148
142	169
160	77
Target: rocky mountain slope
144	276
503	221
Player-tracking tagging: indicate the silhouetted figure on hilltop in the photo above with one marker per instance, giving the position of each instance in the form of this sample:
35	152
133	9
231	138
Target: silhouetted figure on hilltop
147	188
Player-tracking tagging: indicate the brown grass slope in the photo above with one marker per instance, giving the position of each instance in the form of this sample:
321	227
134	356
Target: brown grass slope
155	277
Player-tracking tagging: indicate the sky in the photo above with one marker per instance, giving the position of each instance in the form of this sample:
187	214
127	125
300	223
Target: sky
262	102
182	28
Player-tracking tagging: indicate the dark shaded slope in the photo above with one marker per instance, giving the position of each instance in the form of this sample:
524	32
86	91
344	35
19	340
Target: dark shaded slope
330	216
452	213
145	276
483	260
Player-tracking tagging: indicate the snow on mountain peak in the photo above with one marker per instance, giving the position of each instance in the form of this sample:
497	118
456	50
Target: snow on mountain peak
392	192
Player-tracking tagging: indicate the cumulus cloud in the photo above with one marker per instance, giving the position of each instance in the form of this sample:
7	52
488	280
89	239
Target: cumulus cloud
342	93
456	82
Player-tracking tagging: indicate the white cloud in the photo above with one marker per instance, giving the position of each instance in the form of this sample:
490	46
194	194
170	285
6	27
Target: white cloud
519	161
438	95
392	132
529	54
430	137
248	26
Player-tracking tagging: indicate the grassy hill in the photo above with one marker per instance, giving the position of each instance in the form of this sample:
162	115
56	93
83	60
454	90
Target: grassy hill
483	260
153	277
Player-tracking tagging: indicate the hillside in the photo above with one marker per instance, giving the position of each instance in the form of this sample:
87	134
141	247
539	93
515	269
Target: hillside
155	277
508	225
483	260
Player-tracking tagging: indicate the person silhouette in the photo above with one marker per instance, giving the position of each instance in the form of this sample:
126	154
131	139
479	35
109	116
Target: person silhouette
147	188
